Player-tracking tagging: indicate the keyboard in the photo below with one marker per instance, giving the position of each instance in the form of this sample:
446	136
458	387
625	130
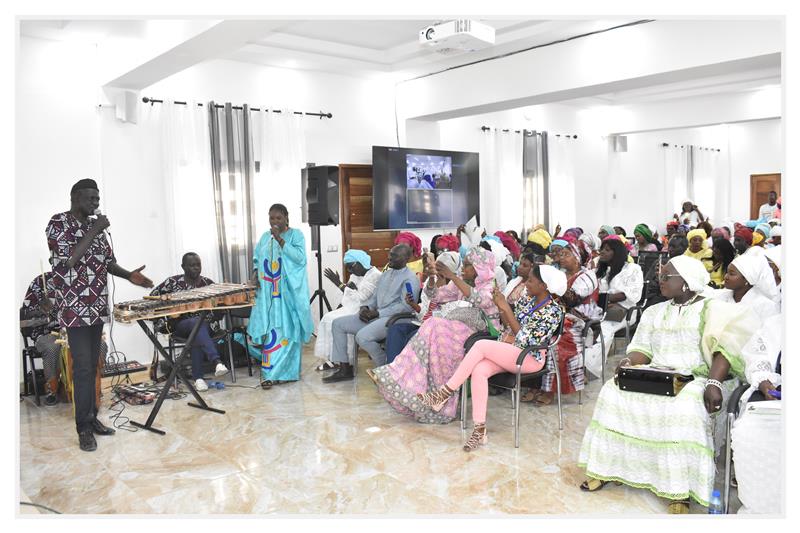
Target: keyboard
123	367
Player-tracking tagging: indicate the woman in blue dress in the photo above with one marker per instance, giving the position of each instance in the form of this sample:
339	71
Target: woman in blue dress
280	322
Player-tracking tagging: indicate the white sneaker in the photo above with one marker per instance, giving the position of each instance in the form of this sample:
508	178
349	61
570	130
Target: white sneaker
200	385
220	370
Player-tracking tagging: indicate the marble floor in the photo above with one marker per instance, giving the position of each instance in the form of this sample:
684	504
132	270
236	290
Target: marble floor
315	449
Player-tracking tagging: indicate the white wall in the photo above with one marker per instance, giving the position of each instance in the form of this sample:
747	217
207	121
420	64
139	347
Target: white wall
627	188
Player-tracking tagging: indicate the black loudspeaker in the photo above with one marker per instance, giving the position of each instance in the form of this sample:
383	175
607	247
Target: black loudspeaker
321	195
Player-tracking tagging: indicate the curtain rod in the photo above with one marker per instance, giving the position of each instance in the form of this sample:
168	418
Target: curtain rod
666	145
321	115
526	132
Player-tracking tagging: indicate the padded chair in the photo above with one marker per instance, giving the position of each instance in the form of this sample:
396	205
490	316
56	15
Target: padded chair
240	314
513	381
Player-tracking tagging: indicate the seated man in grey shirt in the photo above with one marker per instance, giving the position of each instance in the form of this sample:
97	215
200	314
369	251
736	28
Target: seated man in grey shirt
369	324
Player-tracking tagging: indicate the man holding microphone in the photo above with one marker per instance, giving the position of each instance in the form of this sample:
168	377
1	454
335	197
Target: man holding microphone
81	259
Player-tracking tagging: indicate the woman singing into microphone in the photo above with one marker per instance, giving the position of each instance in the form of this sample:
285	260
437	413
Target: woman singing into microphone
280	322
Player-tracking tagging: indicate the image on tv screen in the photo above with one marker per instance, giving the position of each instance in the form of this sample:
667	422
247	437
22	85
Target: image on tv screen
429	172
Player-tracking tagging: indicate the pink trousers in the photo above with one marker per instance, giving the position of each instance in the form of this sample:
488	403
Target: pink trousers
485	359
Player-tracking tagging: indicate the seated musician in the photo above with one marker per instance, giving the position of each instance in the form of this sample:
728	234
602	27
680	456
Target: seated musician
38	305
203	346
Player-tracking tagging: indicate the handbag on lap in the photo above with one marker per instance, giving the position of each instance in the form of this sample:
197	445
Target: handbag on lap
662	381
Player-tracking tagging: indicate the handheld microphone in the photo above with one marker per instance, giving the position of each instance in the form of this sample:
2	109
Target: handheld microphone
97	212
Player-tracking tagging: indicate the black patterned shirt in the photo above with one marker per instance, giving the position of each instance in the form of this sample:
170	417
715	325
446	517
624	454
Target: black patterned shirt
30	305
81	291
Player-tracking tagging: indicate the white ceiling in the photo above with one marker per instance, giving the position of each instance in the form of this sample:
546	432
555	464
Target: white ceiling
390	47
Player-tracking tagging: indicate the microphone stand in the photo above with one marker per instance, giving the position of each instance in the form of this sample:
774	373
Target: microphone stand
320	292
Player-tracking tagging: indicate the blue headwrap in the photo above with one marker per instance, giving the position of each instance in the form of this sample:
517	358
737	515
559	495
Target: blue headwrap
358	256
751	224
493	238
559	242
764	228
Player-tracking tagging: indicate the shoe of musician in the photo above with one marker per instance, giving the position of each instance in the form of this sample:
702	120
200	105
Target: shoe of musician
200	385
101	429
344	373
220	370
87	442
50	399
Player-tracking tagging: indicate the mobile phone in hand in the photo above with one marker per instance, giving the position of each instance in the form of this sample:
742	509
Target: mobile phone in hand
409	290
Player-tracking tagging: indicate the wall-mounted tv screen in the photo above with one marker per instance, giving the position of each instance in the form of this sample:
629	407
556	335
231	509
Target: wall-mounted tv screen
419	188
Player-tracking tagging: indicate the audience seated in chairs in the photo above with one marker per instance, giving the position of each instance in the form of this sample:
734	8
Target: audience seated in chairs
369	324
645	242
399	333
531	323
203	346
358	290
436	349
670	437
622	283
580	299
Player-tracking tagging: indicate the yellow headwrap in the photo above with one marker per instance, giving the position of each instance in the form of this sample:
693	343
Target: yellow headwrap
757	238
698	233
540	237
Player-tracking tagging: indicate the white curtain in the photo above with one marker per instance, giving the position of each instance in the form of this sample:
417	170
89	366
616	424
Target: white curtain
677	177
501	181
710	187
279	147
561	151
188	185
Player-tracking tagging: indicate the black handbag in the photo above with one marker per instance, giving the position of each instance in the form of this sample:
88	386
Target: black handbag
651	380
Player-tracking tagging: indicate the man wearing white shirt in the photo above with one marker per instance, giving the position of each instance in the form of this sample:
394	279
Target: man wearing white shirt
767	211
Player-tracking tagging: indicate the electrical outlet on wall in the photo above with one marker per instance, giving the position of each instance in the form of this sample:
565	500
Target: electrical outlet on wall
333	248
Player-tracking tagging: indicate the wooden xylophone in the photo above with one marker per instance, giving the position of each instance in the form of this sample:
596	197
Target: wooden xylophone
210	297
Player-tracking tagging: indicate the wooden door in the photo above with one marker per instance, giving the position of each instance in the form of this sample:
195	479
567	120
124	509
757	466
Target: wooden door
355	188
760	185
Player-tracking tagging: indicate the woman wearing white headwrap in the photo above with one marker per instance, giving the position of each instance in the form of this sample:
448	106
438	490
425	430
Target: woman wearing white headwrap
775	260
665	443
363	280
534	319
749	281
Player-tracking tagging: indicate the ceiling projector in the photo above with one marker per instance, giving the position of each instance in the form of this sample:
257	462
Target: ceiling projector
461	34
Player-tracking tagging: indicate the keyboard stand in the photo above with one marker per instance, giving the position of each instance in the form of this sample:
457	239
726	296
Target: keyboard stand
174	375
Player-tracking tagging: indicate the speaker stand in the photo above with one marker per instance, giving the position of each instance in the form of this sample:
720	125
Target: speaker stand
320	292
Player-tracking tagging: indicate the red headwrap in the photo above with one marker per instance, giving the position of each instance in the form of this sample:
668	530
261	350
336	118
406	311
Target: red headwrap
509	242
745	233
406	237
448	243
672	223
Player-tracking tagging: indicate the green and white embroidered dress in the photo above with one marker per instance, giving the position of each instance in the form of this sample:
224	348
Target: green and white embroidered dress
661	443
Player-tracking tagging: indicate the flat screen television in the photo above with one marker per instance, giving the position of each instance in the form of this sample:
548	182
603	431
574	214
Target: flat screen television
415	188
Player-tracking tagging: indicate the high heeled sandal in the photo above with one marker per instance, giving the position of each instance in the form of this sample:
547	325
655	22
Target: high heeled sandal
478	438
434	399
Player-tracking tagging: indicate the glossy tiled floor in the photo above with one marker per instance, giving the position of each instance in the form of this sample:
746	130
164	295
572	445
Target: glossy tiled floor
312	448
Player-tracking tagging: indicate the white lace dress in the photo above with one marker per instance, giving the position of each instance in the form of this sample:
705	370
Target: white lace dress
661	443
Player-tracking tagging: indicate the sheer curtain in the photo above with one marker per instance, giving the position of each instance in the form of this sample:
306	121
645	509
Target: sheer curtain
279	147
188	186
562	181
501	181
678	182
709	185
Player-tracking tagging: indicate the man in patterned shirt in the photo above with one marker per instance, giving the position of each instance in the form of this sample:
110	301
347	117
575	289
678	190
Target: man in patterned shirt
81	259
203	346
37	304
